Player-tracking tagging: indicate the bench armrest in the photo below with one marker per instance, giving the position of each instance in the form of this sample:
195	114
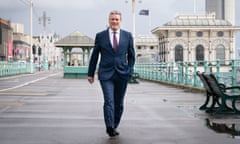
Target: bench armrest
233	87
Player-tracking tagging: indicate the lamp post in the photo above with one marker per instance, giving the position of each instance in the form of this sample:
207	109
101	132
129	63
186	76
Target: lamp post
30	39
133	15
44	19
133	19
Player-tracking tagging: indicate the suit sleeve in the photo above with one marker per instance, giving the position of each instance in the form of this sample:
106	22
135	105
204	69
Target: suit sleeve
131	54
94	58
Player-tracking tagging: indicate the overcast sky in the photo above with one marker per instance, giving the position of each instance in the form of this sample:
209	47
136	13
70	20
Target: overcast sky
91	16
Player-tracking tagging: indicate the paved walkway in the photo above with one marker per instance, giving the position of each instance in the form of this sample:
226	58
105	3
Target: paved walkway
54	110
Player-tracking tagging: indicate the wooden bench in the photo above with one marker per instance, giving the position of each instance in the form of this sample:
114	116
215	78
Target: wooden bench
225	94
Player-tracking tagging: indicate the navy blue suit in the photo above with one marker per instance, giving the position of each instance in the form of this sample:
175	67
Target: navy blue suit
114	71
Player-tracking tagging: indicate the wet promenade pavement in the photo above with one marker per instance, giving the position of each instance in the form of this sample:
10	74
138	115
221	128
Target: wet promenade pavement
44	108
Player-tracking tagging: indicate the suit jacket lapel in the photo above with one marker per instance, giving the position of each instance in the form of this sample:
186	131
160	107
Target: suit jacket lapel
108	39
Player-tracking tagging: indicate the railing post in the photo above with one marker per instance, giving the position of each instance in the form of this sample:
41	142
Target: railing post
166	72
172	71
156	71
152	71
145	71
234	73
179	72
218	69
194	73
161	70
205	66
186	73
139	70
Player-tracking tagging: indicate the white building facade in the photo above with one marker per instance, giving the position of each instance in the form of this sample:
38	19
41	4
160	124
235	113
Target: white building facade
50	56
147	49
196	37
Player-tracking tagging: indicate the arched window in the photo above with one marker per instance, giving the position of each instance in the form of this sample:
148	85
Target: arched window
220	53
178	53
200	54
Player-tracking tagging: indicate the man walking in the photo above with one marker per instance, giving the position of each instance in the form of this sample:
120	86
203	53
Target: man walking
115	68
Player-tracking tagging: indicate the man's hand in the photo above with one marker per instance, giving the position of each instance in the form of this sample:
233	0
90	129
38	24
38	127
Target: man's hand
90	80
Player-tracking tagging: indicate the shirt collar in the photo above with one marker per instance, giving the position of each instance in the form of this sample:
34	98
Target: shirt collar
118	31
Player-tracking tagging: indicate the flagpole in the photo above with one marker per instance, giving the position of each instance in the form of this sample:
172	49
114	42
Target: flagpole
30	39
133	19
150	21
194	6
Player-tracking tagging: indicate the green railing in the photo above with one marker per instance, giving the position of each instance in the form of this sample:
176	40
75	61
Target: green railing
180	73
16	68
184	73
13	68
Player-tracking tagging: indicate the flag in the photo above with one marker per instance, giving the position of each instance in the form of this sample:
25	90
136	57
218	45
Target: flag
144	12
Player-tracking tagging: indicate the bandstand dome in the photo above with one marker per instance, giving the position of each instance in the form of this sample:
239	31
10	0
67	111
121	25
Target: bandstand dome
75	39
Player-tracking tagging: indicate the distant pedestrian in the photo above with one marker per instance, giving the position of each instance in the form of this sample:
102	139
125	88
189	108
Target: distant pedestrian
115	68
49	65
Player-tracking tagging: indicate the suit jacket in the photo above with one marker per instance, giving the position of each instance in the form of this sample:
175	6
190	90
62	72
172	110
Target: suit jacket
122	61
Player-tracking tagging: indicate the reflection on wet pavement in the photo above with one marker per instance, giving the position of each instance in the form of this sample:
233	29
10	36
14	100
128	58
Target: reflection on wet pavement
231	129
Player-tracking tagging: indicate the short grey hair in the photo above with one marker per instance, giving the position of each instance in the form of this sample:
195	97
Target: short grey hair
115	12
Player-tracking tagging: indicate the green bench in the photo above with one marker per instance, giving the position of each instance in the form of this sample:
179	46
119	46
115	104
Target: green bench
223	95
134	78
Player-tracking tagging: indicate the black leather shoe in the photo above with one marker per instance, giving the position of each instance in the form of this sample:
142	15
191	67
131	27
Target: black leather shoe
111	132
116	132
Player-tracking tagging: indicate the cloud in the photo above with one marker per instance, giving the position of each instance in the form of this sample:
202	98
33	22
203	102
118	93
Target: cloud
12	4
9	5
65	4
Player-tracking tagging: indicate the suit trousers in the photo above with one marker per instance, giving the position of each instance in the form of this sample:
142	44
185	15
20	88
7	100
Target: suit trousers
113	90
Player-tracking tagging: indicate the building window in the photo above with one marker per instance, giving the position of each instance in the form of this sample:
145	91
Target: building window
139	55
178	53
220	54
151	47
200	54
220	34
178	34
199	34
139	47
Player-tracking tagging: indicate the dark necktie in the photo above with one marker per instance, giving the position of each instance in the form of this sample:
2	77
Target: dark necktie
115	43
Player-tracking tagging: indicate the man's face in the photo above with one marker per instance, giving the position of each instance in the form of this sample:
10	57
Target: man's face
115	22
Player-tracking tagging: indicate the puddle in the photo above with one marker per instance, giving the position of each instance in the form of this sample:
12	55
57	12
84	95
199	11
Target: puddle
231	129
